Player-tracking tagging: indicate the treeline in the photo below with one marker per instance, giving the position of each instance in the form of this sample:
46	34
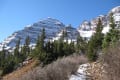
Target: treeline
99	42
47	52
10	61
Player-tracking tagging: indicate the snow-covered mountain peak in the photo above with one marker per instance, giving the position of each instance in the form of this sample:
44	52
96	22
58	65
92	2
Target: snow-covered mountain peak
52	27
50	20
87	28
115	10
116	15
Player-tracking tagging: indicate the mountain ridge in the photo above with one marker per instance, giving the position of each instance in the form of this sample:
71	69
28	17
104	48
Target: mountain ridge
54	27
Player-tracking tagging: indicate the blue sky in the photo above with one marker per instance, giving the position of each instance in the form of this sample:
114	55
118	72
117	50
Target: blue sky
15	14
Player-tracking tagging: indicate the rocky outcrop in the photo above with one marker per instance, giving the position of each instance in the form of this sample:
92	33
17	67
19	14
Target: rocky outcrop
96	71
89	71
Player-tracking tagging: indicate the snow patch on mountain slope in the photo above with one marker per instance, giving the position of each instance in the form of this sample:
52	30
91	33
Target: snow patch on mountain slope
71	34
86	34
106	29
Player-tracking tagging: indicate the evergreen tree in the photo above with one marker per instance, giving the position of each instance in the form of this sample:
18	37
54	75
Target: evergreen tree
25	50
8	64
66	48
71	47
17	52
95	43
40	48
112	36
17	48
48	47
55	52
50	55
40	41
26	46
60	48
2	57
64	35
81	45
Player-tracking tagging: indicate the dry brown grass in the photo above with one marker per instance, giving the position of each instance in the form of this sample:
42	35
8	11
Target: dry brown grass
18	73
111	61
107	67
95	70
58	70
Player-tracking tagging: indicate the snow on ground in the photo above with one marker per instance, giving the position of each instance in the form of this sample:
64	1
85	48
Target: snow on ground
86	34
81	73
106	29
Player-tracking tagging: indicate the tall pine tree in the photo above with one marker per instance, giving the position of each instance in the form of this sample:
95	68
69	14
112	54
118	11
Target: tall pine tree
113	35
81	45
40	46
17	48
25	50
95	43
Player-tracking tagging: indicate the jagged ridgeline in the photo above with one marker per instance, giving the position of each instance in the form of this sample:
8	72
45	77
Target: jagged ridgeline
54	29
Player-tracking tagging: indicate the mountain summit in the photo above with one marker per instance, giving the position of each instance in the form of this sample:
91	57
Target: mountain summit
52	27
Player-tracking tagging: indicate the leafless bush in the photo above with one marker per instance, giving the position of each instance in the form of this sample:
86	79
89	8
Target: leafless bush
111	61
58	70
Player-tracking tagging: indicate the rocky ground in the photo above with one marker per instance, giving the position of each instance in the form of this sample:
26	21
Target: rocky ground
89	71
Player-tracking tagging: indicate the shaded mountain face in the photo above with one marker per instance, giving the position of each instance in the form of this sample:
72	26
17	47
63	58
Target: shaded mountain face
72	33
91	25
87	28
68	32
52	26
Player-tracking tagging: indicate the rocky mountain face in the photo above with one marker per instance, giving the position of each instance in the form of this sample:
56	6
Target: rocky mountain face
54	29
116	15
69	33
87	28
91	25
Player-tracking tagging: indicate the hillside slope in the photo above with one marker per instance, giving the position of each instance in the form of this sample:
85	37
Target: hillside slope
18	73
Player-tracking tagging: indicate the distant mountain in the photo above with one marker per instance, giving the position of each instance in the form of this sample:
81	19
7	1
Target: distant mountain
87	28
70	33
54	29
